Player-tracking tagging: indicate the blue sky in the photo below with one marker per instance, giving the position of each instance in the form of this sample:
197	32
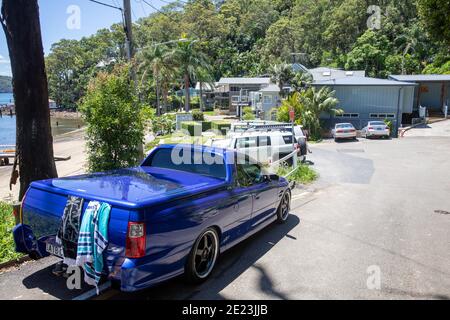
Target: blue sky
57	23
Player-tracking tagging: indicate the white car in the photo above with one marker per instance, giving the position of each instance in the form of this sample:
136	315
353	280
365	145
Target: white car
344	131
265	147
270	127
376	129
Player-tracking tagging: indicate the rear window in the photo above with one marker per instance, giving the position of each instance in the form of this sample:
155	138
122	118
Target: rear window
377	123
194	163
344	125
288	139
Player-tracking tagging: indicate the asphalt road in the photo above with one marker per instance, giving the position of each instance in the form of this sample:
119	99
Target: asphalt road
374	226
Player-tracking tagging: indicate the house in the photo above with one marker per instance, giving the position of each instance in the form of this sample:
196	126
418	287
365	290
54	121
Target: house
52	104
233	94
264	100
326	73
432	90
365	99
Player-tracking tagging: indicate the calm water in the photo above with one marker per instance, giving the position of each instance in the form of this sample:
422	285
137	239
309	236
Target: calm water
6	98
8	128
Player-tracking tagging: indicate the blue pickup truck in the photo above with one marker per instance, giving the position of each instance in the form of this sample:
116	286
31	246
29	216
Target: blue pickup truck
186	212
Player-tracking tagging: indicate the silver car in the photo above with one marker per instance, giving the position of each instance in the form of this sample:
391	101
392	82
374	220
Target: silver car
344	131
376	129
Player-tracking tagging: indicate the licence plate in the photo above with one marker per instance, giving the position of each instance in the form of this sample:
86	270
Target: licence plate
54	250
379	129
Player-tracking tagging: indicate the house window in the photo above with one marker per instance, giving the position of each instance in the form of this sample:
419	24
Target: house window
267	99
348	115
382	115
235	98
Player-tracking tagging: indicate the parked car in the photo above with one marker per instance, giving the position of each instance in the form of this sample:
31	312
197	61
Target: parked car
376	129
167	218
266	147
344	131
271	126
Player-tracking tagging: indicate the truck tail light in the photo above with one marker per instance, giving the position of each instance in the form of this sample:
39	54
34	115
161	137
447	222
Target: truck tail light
136	240
370	128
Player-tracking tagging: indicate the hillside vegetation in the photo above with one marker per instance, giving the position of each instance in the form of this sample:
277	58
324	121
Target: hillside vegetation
246	37
5	84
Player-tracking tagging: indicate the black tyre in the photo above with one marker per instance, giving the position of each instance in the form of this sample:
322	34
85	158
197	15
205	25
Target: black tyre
203	257
284	208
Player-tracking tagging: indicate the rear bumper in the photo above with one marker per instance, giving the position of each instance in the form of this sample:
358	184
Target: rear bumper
347	135
133	274
378	133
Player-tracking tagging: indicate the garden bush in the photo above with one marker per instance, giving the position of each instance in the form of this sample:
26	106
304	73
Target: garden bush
115	121
221	126
194	128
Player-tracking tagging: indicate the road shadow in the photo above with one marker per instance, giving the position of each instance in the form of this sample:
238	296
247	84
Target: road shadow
230	266
52	285
346	140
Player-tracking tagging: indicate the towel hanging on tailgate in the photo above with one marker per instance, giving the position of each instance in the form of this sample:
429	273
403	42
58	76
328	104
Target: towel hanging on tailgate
93	240
67	235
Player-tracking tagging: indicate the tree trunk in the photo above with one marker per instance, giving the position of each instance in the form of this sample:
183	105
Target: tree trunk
201	96
158	107
20	21
186	93
165	94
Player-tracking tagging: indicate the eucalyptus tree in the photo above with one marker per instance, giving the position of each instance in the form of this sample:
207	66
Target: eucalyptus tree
20	21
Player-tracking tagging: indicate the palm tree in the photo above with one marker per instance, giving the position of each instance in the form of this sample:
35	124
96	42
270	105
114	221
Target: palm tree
281	74
189	61
204	75
318	101
301	81
156	58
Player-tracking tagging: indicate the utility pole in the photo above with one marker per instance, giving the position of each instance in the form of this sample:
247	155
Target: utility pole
128	29
128	25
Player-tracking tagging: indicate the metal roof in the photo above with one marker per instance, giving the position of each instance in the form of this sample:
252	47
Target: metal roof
223	81
325	73
362	81
421	77
270	88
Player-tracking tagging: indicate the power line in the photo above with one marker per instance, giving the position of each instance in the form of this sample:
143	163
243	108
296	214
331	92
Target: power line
106	4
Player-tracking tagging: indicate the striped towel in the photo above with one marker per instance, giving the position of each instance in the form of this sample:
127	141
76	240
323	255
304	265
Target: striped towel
93	240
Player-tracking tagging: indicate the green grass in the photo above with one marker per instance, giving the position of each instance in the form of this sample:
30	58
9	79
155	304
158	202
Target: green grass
304	174
7	252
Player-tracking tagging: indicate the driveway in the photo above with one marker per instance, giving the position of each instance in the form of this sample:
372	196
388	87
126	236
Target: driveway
374	226
437	129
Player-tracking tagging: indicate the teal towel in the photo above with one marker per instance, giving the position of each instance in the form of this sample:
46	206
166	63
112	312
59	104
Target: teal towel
93	240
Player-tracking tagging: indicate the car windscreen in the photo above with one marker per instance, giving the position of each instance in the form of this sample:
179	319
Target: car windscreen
195	162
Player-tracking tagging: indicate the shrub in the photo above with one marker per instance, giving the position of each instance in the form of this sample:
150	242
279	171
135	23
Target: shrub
206	125
304	174
221	126
197	115
192	127
114	121
248	114
7	247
